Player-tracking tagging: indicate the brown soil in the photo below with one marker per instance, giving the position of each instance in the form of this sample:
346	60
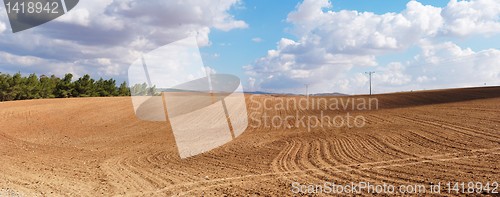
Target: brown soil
96	146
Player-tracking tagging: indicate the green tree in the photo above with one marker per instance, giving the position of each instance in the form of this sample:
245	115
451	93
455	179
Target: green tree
30	88
83	87
5	87
123	90
99	89
64	87
48	86
110	87
16	86
140	90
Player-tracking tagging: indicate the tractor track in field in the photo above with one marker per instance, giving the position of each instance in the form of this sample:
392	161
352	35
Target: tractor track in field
96	146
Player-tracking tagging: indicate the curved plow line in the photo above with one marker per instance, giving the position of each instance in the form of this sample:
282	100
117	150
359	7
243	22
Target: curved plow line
383	164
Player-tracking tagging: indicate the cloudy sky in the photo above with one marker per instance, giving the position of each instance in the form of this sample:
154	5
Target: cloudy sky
275	46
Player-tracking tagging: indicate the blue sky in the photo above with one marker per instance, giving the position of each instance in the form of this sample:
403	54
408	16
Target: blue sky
411	45
267	22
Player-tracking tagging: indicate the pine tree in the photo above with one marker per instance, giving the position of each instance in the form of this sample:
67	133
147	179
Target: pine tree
16	83
4	87
48	86
31	87
83	87
17	87
64	87
123	90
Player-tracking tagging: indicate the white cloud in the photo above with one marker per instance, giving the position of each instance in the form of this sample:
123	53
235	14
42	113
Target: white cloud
464	18
115	30
393	74
77	16
293	64
257	39
448	64
2	27
3	20
334	47
31	64
177	13
363	32
251	84
424	79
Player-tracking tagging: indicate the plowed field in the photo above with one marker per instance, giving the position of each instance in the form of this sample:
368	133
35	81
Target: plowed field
96	146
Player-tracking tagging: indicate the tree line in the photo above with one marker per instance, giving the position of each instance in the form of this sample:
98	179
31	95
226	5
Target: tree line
18	87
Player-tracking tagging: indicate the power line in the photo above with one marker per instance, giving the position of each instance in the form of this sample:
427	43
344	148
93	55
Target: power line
370	73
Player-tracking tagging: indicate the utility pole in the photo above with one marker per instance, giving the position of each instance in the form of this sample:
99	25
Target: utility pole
307	90
370	74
